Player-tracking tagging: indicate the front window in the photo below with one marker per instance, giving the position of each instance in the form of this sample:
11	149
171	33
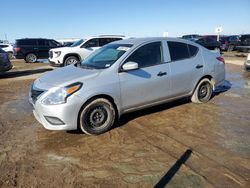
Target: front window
77	43
147	55
106	56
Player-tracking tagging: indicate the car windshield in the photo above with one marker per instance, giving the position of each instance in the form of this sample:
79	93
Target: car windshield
77	43
106	56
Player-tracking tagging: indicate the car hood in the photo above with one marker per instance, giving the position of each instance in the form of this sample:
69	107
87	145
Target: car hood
65	76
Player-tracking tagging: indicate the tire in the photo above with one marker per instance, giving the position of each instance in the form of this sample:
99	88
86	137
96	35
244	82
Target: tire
10	54
31	58
71	60
97	117
203	91
230	48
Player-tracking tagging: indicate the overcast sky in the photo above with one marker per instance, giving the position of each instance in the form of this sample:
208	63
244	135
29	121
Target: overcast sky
77	18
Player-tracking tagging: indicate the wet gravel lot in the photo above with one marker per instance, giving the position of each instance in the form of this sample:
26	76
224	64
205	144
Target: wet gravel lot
179	144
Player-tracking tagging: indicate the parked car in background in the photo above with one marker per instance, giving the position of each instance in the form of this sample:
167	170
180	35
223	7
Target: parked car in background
5	64
7	48
229	43
247	63
124	76
31	49
244	45
79	50
209	43
192	37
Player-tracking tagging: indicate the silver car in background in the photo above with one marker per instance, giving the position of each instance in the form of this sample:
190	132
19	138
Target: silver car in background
124	76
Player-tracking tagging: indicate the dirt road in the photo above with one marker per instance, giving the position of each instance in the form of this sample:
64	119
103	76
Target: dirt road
179	144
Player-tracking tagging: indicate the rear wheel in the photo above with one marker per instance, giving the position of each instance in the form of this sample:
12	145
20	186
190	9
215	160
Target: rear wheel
70	60
97	117
203	91
230	48
31	58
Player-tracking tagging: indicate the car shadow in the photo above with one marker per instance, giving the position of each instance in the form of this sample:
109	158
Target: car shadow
133	115
173	170
14	74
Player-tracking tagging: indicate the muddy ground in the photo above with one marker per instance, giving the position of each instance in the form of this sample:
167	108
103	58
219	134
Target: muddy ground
179	144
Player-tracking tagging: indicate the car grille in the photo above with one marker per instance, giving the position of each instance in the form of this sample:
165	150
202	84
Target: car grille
34	94
50	54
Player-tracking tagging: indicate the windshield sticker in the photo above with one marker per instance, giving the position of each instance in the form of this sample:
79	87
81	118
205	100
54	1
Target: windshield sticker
107	65
123	48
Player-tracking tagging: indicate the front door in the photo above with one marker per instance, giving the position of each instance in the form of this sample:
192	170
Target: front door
149	83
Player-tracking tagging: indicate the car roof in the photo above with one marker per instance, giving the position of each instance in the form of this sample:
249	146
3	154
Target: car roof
137	41
34	39
106	36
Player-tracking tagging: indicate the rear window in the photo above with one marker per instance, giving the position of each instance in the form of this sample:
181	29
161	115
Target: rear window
104	41
27	42
179	50
3	45
192	50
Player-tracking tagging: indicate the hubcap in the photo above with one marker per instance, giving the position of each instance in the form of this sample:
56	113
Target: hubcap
71	61
203	91
32	58
97	116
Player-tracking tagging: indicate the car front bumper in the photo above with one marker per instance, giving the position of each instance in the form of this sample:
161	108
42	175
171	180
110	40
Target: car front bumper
66	113
55	62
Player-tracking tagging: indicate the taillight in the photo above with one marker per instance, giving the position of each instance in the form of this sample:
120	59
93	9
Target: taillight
17	50
221	59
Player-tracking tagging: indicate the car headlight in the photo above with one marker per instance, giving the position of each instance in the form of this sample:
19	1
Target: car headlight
57	53
60	95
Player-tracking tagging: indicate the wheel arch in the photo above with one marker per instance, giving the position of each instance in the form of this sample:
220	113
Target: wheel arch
72	54
105	96
208	77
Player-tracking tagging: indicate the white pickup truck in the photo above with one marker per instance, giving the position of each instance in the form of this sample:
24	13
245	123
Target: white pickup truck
79	50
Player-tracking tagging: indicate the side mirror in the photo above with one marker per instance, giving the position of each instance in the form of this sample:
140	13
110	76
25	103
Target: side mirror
130	66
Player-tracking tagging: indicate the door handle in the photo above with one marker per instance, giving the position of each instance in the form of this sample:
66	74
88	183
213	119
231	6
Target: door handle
161	74
199	66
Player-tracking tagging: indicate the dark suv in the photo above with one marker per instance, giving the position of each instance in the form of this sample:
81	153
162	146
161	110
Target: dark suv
32	49
244	45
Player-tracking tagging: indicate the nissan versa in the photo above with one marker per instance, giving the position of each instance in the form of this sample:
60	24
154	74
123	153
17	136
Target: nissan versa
121	77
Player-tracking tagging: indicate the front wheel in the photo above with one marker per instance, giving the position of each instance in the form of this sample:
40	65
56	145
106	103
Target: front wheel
97	117
70	60
203	91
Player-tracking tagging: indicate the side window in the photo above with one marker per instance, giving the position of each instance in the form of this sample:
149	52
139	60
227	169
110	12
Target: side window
91	43
193	50
41	42
29	42
178	50
147	55
3	46
52	43
104	41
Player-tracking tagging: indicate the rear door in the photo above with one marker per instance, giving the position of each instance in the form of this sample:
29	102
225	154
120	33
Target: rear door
151	82
42	48
186	67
